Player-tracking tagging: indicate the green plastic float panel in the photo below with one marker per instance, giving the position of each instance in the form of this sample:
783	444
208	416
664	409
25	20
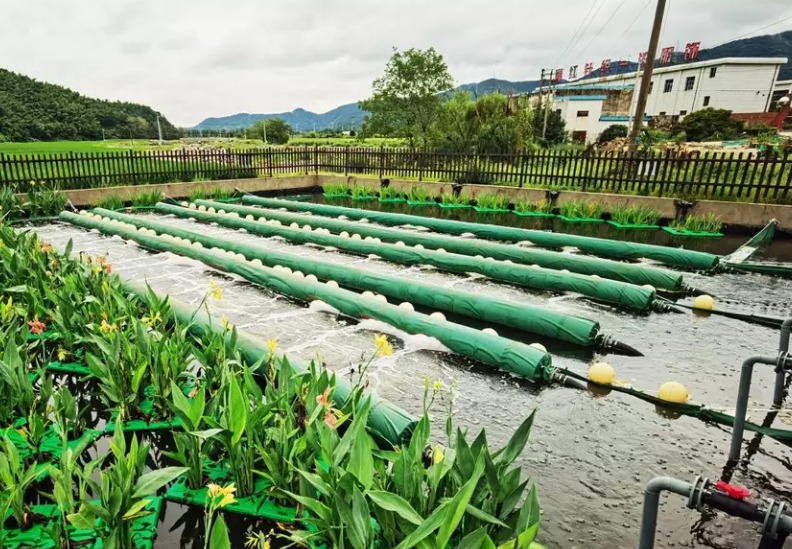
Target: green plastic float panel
533	319
538	278
687	259
605	268
144	530
387	423
502	353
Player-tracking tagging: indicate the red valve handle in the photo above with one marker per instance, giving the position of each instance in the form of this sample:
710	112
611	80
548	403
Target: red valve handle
734	492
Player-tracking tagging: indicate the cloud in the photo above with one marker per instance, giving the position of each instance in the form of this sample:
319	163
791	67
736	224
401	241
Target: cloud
194	59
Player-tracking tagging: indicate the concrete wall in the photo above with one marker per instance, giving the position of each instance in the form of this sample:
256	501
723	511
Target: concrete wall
90	197
731	213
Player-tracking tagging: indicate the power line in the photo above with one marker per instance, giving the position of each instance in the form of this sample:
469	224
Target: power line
574	36
608	20
640	13
762	28
593	17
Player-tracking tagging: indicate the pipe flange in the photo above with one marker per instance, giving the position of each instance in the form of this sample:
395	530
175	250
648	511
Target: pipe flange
697	491
775	510
784	361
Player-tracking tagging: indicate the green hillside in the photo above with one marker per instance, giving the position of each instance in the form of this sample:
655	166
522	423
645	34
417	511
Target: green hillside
32	110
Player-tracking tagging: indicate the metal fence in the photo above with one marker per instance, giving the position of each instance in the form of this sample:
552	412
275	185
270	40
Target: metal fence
739	176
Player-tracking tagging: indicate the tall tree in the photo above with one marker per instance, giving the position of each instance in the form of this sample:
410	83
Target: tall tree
274	130
407	97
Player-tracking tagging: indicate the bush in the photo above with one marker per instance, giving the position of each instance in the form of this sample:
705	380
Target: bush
710	125
612	132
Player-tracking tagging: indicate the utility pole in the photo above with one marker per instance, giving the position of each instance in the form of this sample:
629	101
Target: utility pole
264	125
643	92
549	100
159	131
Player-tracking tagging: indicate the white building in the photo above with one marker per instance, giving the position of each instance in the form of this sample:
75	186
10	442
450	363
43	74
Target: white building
740	84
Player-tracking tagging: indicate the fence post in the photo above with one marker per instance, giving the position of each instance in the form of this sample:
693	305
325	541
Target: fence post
381	161
420	154
316	159
761	182
522	168
346	161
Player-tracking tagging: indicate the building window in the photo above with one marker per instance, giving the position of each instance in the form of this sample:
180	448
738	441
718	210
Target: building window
668	85
651	85
558	112
690	81
682	113
706	100
662	113
582	114
713	71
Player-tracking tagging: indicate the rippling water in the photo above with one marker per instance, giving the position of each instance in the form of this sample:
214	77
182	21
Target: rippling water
590	455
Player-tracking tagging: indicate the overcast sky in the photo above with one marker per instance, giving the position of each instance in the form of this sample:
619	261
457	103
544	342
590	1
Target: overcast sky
191	59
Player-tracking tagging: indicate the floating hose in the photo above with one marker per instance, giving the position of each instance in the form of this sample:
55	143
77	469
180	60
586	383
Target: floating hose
762	320
605	268
610	291
687	259
532	319
386	422
501	353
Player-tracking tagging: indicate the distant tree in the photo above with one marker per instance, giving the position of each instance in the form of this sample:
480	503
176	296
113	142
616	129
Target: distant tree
710	125
407	97
274	130
612	132
555	134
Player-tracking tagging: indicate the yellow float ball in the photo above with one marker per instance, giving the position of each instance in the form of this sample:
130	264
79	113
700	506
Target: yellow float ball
602	373
673	391
704	303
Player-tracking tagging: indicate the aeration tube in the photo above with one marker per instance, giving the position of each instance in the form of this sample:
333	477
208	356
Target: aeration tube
502	353
605	268
536	320
386	421
610	291
598	246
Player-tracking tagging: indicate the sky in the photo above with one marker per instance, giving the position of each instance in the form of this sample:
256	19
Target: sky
200	58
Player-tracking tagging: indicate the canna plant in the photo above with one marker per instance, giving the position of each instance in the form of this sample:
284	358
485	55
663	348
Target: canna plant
453	200
9	205
389	193
581	210
16	384
122	490
635	215
525	206
144	199
15	479
419	194
335	189
119	367
362	191
43	200
492	202
111	202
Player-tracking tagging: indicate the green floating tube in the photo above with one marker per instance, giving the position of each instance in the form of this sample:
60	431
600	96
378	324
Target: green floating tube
611	291
387	422
605	268
687	259
502	353
529	318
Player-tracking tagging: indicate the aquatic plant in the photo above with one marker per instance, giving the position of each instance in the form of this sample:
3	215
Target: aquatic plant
526	206
16	477
453	199
492	202
581	210
336	189
143	199
362	191
10	208
419	194
389	193
111	203
635	215
709	223
43	201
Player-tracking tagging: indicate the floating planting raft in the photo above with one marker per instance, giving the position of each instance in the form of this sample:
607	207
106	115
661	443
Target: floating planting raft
614	270
687	259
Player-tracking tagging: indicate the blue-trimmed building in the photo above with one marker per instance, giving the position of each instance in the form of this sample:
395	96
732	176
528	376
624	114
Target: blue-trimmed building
740	84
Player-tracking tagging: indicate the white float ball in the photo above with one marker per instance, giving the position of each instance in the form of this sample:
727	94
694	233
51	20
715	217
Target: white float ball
407	306
332	284
233	214
184	204
298	274
344	234
202	208
193	207
355	236
256	263
311	278
380	297
368	294
400	243
419	247
306	228
221	212
489	331
294	226
250	218
440	250
437	315
538	346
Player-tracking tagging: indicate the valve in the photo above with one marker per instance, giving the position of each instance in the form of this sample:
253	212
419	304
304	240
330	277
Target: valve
734	492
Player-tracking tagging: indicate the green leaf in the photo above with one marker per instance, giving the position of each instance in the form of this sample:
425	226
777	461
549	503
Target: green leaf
477	539
149	483
237	411
428	526
458	504
482	515
69	245
136	508
524	541
517	442
395	504
316	481
219	539
316	507
205	434
83	520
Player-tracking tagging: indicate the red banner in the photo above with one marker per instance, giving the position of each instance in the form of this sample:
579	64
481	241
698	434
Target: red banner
667	55
692	51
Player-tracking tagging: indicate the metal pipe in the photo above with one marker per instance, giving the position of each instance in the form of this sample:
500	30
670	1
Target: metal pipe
742	402
776	523
783	348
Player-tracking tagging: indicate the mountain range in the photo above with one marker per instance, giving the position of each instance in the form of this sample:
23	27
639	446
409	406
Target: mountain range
350	116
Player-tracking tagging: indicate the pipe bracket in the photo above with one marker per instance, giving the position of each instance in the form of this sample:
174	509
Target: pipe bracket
775	510
697	491
784	361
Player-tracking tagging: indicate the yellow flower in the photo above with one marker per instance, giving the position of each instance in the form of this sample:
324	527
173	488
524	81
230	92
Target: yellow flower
384	347
225	493
438	455
107	328
152	320
62	355
426	382
215	291
32	183
438	386
225	323
272	344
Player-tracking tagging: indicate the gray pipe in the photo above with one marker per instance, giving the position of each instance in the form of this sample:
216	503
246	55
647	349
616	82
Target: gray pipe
652	503
783	347
742	402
